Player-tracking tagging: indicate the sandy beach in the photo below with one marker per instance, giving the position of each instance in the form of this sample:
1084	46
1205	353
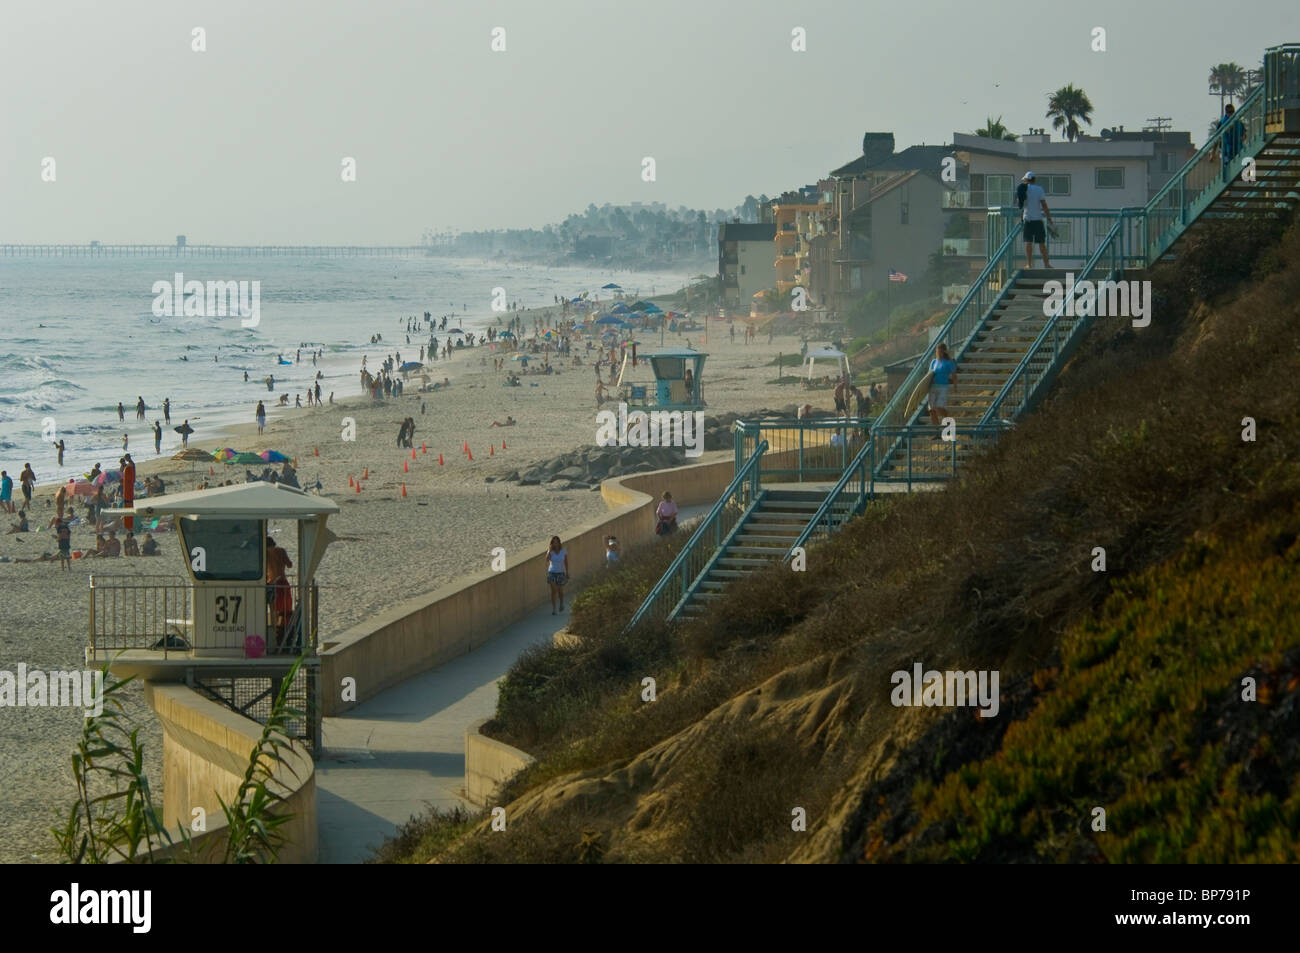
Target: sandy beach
389	547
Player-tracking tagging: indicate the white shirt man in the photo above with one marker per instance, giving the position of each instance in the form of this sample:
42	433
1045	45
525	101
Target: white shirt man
1035	212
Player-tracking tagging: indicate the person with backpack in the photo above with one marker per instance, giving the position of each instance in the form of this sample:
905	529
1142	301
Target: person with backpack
1230	144
1035	210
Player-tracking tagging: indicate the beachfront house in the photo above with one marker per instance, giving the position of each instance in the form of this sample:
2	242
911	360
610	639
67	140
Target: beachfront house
744	262
887	214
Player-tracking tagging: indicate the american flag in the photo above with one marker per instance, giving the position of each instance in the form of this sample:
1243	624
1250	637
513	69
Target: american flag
896	275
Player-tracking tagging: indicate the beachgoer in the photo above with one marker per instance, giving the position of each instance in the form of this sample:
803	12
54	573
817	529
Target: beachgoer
689	380
944	369
277	561
557	571
28	478
121	411
139	408
64	536
59	445
157	438
150	546
22	525
510	422
1035	211
125	440
185	430
6	491
130	547
167	410
112	545
841	405
862	402
611	551
666	515
1230	143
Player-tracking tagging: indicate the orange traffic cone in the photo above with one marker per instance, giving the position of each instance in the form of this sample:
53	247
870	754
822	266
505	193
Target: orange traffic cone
366	475
440	459
295	463
503	444
358	486
470	455
317	451
412	453
467	446
406	467
423	448
211	472
403	491
492	452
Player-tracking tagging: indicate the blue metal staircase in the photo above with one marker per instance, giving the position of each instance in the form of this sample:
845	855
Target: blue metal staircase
1009	348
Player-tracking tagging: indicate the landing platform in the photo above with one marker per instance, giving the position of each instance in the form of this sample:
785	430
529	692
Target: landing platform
152	666
821	489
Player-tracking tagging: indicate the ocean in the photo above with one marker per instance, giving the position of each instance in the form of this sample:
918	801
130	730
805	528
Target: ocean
79	334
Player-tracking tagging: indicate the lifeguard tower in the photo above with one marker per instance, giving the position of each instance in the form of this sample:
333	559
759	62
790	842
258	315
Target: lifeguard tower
671	389
217	627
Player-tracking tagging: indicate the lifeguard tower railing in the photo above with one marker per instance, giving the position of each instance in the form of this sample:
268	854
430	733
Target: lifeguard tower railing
156	613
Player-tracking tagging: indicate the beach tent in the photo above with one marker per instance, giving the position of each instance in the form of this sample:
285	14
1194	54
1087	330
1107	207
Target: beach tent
827	354
611	287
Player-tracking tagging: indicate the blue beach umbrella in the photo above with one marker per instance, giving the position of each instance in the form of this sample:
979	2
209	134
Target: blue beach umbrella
619	308
610	319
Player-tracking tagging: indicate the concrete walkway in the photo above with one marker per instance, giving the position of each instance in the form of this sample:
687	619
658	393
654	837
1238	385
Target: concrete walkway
386	759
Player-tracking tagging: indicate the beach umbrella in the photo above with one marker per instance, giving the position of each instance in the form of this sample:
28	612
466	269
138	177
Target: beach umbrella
506	334
246	458
610	319
272	456
108	476
612	286
193	453
619	308
652	309
520	357
411	366
641	305
226	454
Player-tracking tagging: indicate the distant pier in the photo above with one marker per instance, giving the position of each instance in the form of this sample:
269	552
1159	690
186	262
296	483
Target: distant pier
93	249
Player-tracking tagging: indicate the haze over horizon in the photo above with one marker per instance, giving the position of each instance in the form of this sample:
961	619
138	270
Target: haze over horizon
243	143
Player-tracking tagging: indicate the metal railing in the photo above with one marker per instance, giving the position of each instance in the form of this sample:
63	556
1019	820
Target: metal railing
713	532
158	612
1079	232
1201	179
800	450
919	453
1065	328
1281	82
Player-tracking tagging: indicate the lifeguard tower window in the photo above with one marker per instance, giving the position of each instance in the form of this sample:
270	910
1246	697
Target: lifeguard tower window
669	368
232	547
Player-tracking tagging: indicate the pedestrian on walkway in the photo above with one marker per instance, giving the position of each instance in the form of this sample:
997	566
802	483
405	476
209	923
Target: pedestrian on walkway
557	572
1035	212
944	369
666	516
1230	144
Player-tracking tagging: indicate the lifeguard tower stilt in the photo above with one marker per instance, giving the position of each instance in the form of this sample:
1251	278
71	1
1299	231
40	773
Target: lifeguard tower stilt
222	628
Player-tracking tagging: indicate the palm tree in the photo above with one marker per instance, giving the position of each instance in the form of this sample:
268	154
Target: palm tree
993	129
1227	80
1066	107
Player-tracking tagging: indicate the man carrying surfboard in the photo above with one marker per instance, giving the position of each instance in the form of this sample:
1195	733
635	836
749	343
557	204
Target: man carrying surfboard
943	370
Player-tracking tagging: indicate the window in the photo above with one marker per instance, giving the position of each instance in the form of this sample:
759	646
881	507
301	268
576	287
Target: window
903	210
1055	184
1166	162
999	190
742	269
232	547
1112	178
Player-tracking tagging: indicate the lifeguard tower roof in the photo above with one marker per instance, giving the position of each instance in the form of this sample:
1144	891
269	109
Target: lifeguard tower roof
675	352
245	501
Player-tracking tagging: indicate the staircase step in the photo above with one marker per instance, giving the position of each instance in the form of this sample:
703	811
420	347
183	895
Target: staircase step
745	538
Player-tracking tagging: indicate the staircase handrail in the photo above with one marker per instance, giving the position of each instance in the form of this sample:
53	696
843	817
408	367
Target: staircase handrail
1049	329
827	505
746	472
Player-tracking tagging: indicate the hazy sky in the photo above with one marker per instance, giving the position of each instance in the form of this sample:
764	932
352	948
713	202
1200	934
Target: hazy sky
244	142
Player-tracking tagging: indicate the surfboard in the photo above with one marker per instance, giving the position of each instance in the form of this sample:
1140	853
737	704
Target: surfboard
918	394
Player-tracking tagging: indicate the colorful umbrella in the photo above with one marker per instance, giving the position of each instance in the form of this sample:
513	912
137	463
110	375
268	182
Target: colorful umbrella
246	458
272	456
229	453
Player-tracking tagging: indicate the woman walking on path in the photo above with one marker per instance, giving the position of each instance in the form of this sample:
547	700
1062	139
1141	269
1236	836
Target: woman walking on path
557	571
666	514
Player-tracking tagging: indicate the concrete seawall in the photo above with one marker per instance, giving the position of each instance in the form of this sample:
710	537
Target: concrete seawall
206	748
489	763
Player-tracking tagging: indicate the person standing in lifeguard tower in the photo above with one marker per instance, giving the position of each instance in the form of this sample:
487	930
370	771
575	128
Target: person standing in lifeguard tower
278	590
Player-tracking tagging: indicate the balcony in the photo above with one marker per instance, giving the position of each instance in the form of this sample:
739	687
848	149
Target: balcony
959	199
957	246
